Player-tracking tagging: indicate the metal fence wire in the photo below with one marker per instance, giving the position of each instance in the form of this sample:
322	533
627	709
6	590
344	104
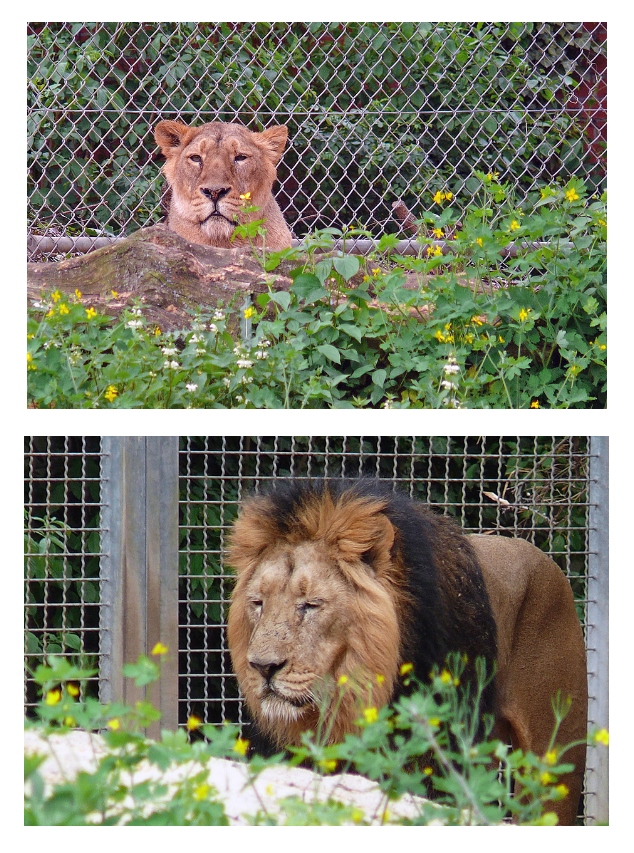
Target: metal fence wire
376	112
125	541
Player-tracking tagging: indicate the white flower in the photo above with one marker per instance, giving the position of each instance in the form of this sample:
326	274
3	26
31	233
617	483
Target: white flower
171	365
195	339
261	353
191	386
219	315
213	328
201	351
244	362
451	367
226	381
246	379
134	324
169	350
451	386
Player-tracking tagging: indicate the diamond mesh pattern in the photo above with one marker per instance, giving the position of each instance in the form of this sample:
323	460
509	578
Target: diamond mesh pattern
375	112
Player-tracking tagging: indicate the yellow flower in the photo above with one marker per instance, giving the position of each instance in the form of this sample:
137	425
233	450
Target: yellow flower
53	697
78	295
572	195
56	296
73	690
602	736
114	293
492	176
113	724
193	723
343	679
514	225
245	196
249	312
70	722
157	331
328	764
201	792
64	309
428	771
434	721
546	778
371	715
380	679
479	241
534	404
357	816
523	315
561	792
437	232
551	757
111	393
159	649
241	746
439	197
90	313
477	321
445	677
448	196
376	271
406	667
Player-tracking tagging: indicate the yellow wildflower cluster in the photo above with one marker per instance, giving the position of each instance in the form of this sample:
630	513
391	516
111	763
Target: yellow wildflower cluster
241	746
371	715
440	196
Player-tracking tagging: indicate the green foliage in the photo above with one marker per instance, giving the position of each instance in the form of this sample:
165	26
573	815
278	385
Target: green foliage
427	743
379	110
477	329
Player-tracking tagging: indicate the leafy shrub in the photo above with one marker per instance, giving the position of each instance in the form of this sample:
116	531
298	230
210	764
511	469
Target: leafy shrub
427	743
476	329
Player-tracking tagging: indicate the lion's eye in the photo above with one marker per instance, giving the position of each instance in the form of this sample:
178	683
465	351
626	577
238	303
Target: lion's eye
195	158
239	158
307	606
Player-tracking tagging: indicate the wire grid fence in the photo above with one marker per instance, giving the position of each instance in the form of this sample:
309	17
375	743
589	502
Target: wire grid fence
62	539
528	487
376	112
539	489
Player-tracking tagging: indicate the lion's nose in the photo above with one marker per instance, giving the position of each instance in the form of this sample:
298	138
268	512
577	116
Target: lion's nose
267	669
215	193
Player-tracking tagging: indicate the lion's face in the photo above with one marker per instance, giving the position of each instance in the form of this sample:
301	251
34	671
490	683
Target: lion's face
297	606
307	610
215	171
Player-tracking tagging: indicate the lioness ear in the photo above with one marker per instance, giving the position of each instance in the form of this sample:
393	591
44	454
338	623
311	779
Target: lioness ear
170	135
274	140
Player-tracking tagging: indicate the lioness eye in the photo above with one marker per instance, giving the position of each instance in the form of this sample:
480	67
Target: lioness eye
239	158
195	158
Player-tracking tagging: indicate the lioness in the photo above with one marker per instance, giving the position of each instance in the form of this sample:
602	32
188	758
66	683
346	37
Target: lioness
216	171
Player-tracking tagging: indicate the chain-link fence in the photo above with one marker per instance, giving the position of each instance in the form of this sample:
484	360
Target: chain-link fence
376	112
109	520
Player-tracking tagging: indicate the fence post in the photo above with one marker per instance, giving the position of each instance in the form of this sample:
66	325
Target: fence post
139	568
597	627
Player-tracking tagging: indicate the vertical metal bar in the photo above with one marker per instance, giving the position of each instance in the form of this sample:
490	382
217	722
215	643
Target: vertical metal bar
111	569
597	627
162	571
140	567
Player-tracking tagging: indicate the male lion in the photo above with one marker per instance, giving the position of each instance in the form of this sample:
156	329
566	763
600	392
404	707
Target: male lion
216	171
348	578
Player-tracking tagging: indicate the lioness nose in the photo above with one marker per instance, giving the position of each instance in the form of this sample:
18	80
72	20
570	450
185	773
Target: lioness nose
215	193
267	669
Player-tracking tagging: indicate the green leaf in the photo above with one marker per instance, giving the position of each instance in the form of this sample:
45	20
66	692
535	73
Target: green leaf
330	352
282	298
347	266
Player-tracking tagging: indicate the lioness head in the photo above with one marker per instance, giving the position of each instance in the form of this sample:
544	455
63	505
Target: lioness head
311	605
216	171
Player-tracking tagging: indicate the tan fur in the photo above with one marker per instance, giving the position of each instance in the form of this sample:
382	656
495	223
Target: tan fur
331	614
540	651
208	168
